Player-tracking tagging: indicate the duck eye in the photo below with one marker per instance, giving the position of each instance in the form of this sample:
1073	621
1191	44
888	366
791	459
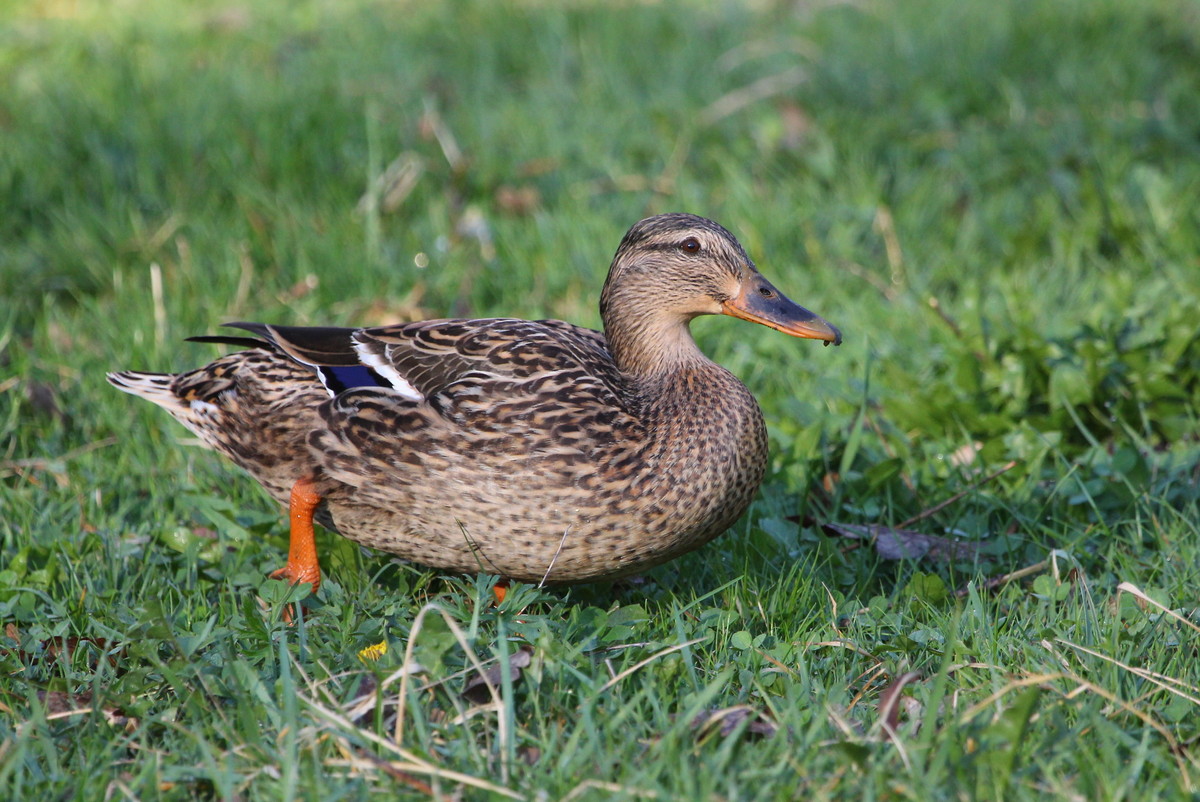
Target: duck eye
690	245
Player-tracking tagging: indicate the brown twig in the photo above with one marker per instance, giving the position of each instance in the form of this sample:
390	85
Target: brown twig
942	505
999	581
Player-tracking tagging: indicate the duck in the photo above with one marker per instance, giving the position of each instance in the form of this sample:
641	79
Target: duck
534	450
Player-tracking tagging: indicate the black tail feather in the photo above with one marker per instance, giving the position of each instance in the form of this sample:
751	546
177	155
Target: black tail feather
229	339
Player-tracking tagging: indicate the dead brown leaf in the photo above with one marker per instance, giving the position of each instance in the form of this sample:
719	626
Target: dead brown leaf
384	311
303	287
530	754
725	720
44	400
904	544
60	704
539	166
797	124
477	690
51	648
519	201
890	702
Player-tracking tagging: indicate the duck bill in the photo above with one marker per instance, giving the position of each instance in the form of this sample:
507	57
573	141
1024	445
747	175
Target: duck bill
759	302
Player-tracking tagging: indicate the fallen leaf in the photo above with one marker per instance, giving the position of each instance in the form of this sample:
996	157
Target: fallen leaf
60	704
725	720
797	124
891	701
966	454
391	310
520	200
303	287
536	167
476	690
51	648
904	544
44	400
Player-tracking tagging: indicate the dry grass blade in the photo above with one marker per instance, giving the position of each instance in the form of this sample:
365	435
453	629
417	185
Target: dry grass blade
1166	683
47	463
1138	593
1083	685
554	559
763	88
637	667
493	690
841	644
370	693
1015	685
610	788
396	773
393	186
415	764
865	681
434	125
160	307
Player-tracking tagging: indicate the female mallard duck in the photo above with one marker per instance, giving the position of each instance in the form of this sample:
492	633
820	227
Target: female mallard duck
536	450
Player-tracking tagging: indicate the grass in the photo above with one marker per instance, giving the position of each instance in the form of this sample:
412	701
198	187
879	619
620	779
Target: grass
995	203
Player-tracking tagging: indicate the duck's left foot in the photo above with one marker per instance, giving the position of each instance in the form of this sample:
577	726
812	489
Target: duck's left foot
500	590
302	565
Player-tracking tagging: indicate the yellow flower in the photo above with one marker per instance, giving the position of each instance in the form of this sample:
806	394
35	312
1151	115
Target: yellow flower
373	652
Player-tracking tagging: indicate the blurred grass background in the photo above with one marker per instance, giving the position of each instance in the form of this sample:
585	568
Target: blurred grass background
996	203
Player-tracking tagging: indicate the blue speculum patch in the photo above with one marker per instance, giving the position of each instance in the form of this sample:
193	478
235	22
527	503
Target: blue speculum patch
339	378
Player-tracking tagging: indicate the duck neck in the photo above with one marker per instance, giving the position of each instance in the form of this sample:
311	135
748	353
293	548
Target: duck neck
650	347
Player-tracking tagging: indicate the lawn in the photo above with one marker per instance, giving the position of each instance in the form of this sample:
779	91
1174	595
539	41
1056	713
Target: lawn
973	570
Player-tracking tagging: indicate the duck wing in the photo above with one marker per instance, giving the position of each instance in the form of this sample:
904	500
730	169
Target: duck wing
499	392
439	357
431	357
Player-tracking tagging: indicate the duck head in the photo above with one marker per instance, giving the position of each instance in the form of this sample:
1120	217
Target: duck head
671	268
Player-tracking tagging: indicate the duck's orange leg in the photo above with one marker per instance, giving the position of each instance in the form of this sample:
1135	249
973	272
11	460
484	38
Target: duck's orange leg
302	565
500	590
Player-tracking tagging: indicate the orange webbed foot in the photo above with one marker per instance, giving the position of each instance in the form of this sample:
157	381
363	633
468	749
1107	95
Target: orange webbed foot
500	590
302	565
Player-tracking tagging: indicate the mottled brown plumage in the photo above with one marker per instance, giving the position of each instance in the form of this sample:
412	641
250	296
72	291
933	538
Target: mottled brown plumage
536	450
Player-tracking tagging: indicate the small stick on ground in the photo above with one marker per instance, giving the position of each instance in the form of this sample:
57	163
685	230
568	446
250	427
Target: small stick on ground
942	505
999	581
